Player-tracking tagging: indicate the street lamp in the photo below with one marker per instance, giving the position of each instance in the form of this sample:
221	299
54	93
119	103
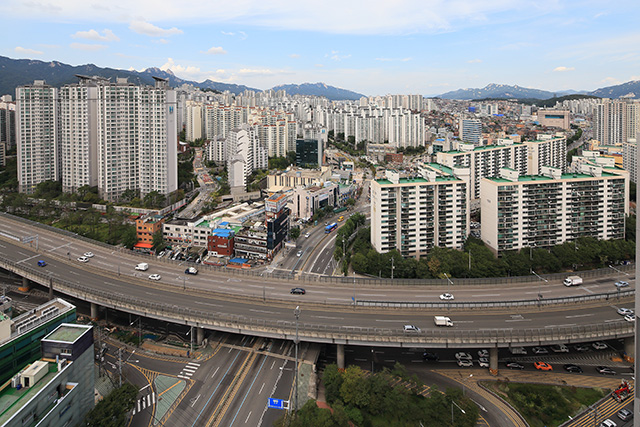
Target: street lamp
392	268
461	410
450	283
139	320
296	313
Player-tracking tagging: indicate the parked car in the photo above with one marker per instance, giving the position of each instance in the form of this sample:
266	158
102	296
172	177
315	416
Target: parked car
559	348
298	291
465	363
608	423
625	414
430	356
155	277
446	297
542	366
483	362
411	328
599	345
41	263
605	371
463	355
483	353
570	367
582	348
514	365
539	350
88	254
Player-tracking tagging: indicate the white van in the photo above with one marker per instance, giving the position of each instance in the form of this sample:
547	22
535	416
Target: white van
143	266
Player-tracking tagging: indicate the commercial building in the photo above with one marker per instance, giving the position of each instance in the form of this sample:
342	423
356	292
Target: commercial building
471	131
554	118
37	135
146	227
308	153
294	177
412	213
57	390
520	211
220	242
306	201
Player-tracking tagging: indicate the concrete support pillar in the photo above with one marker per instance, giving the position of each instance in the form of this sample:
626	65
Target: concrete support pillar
26	286
493	360
630	347
50	288
199	336
340	357
94	311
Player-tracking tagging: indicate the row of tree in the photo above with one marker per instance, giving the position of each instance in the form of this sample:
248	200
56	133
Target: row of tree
477	260
370	400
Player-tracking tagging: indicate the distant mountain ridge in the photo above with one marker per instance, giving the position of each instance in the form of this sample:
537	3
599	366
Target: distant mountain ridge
629	89
320	89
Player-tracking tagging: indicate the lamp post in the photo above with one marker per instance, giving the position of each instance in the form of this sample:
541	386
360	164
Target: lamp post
139	320
392	268
296	313
449	283
461	410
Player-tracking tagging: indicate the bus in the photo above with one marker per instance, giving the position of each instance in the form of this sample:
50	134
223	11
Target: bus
329	228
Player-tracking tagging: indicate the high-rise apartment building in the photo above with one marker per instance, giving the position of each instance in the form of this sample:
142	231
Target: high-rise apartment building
471	131
37	135
614	121
194	120
413	214
544	210
245	154
630	157
7	121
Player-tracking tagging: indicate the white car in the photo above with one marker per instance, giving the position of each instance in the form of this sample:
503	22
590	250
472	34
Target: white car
155	277
299	253
465	363
307	235
83	259
624	311
483	353
599	345
88	254
411	328
483	362
630	317
559	348
462	355
608	423
446	297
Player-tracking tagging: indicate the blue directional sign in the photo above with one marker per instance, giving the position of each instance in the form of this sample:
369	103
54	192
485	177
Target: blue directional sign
276	403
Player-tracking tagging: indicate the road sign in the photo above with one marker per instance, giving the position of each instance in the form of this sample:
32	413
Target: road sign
278	403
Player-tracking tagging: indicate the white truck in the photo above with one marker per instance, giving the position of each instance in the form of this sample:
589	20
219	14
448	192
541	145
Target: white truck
143	266
573	281
442	321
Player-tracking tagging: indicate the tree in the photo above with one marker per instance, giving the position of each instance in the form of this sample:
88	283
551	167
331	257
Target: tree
354	390
158	241
332	379
294	233
112	410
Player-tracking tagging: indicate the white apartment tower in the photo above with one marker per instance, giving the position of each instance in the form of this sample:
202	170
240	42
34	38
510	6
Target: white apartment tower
413	214
610	122
245	154
37	134
551	208
194	120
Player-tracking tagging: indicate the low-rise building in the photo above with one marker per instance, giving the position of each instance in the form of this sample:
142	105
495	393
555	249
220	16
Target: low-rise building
306	201
146	227
220	242
295	177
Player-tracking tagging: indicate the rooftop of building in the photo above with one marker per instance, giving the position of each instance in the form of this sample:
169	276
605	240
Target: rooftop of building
67	333
526	178
31	319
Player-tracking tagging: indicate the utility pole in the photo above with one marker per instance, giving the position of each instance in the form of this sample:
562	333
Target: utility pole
392	267
120	365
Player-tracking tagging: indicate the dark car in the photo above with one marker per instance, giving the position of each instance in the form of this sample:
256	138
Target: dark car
625	414
605	371
430	356
570	367
298	291
514	365
41	263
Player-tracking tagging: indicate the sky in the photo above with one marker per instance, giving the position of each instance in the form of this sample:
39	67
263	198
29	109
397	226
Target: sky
373	47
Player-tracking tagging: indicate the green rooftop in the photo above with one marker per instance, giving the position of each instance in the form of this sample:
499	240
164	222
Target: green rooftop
12	400
66	333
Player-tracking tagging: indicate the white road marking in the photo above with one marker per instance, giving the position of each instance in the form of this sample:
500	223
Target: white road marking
184	378
486	295
261	311
261	388
516	320
372	295
329	317
193	364
195	400
579	315
274	362
245	421
148	385
216	371
208	303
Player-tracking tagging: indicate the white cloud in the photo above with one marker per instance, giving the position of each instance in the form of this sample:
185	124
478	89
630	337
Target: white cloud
241	34
393	59
88	47
27	51
474	61
294	56
610	81
563	69
161	41
147	28
94	35
335	55
215	50
256	72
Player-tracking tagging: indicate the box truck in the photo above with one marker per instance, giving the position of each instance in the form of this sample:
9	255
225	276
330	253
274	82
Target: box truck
442	321
573	281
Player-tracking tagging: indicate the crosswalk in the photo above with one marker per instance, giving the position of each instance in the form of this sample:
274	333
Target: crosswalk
144	402
188	370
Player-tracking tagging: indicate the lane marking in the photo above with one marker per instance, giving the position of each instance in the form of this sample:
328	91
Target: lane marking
216	371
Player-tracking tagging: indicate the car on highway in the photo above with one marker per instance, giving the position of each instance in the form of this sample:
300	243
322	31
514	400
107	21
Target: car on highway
307	235
621	284
483	362
299	254
540	350
88	254
155	277
582	348
298	291
514	365
465	363
446	296
559	348
625	414
542	366
570	367
410	328
463	355
624	311
483	353
599	345
605	370
191	270
430	356
83	259
41	263
630	317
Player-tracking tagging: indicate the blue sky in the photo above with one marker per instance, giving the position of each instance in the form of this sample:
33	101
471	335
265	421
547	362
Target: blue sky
374	47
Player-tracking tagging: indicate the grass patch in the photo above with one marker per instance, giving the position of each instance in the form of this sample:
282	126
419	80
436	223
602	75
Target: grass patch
546	405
